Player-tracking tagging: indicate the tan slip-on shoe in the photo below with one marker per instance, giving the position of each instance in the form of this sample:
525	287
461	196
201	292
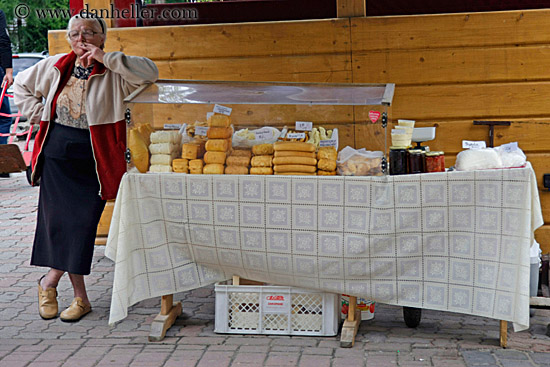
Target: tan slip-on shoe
47	302
76	311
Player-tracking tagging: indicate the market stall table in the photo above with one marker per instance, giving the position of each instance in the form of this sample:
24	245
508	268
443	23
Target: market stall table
454	241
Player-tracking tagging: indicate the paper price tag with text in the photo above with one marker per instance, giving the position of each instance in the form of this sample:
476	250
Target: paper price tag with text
328	143
222	110
510	147
304	125
469	144
201	130
263	134
172	126
296	136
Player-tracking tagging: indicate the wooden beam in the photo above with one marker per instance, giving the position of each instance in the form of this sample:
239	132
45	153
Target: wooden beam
169	311
503	333
351	8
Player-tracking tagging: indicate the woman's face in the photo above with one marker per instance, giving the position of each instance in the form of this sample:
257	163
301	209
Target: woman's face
84	32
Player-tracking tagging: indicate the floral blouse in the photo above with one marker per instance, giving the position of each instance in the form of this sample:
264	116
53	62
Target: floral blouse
71	103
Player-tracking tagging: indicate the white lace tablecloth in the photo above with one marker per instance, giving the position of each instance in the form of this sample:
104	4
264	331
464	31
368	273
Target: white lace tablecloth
455	241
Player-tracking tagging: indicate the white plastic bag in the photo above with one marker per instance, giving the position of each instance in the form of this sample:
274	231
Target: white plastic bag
362	162
473	159
245	138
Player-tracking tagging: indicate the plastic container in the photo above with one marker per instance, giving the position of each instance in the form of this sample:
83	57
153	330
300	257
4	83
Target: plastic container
364	305
275	310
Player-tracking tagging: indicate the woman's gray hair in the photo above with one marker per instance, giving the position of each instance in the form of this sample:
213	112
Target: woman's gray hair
96	23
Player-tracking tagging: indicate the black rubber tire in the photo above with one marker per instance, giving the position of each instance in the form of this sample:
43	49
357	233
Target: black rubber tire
412	316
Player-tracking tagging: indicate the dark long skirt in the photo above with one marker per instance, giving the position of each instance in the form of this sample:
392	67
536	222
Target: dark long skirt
69	205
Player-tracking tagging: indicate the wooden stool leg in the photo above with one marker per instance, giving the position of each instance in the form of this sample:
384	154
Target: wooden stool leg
351	324
169	311
503	333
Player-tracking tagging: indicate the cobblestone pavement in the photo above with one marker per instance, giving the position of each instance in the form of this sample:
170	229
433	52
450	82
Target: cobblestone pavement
441	339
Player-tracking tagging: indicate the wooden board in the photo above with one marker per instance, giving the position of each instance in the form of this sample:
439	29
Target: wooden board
493	101
450	30
330	68
452	65
225	40
542	235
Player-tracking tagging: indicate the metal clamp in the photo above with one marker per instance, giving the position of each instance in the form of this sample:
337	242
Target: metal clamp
384	119
128	116
128	155
384	165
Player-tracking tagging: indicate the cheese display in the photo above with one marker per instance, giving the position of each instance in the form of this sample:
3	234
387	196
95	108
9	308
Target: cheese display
262	161
213	169
212	157
138	146
219	120
180	165
217	145
236	170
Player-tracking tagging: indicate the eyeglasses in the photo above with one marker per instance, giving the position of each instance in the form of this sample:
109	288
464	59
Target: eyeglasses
86	34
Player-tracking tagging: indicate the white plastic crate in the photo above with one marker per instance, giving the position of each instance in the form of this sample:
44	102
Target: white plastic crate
247	309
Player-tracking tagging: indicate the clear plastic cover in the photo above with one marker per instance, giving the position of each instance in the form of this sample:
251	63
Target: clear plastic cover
208	92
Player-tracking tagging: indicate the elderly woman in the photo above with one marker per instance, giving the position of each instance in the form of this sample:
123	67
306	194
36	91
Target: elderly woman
78	152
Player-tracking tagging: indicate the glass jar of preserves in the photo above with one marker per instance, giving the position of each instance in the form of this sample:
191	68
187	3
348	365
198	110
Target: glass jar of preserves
398	160
416	161
433	163
441	160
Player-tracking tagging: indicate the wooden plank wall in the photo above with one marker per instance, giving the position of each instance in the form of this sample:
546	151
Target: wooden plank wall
448	69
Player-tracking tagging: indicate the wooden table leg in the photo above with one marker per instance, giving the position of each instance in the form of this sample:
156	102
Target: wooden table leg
351	324
169	311
503	333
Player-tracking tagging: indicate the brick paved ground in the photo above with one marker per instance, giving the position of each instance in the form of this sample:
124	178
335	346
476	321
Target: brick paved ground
442	339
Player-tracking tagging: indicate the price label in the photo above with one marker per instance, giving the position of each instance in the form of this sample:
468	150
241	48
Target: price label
172	126
222	110
511	147
263	134
469	144
201	130
298	136
328	143
304	125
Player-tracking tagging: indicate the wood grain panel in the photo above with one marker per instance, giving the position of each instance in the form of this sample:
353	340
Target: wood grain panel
246	115
229	40
533	136
452	65
330	68
450	30
542	235
497	101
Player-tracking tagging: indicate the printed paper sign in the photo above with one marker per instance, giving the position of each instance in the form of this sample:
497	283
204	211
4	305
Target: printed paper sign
201	130
304	125
222	110
511	147
374	116
172	126
298	136
276	303
328	143
468	144
263	134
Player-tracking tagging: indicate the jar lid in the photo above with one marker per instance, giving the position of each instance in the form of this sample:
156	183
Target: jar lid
395	147
415	151
432	154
